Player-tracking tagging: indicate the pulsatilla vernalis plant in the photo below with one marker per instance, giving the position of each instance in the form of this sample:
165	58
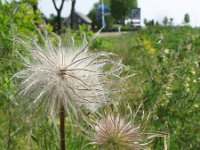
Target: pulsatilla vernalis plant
60	78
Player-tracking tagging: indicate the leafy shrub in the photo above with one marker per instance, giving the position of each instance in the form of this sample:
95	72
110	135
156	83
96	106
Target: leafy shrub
16	18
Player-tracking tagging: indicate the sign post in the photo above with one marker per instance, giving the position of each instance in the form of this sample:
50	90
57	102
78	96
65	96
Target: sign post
103	17
136	17
102	11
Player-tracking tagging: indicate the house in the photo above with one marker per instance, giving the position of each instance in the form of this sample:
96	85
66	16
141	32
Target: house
79	19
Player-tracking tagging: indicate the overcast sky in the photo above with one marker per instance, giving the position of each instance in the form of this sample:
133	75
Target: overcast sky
150	9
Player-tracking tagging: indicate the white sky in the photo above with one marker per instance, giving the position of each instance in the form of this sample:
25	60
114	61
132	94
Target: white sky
150	9
83	6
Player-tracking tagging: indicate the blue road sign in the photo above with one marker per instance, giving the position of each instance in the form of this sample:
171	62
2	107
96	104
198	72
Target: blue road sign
103	10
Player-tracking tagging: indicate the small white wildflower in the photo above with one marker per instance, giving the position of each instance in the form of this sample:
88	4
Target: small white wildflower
61	76
160	41
196	63
193	71
188	90
166	51
186	85
168	94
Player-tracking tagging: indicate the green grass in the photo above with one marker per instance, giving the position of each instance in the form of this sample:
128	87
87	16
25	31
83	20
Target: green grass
167	82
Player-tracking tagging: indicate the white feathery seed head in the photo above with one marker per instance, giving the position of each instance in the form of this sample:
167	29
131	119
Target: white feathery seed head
58	74
114	132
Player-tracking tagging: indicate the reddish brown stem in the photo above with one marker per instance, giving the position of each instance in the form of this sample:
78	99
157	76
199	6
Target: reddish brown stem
62	127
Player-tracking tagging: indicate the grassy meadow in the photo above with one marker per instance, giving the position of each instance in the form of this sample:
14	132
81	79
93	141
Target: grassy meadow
166	60
166	84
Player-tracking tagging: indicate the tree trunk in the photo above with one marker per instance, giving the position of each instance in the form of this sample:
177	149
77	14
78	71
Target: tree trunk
58	18
72	14
59	23
62	127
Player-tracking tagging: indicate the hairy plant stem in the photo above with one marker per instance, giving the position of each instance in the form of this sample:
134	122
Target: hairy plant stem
62	127
9	129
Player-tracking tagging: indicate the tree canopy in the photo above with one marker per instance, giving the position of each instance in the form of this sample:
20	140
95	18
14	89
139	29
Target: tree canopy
96	23
186	18
120	9
165	21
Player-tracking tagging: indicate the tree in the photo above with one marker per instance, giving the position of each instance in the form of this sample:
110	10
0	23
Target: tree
33	3
150	22
106	2
165	21
186	18
72	13
96	22
145	21
171	21
120	9
93	16
58	18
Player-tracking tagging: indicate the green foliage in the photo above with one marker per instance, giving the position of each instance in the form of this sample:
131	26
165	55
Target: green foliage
120	9
167	82
165	21
99	43
16	18
97	24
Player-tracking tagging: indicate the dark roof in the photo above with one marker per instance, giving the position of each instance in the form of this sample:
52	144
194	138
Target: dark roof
83	17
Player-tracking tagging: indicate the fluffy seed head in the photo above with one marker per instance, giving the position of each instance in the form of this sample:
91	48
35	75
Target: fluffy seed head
57	74
117	134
